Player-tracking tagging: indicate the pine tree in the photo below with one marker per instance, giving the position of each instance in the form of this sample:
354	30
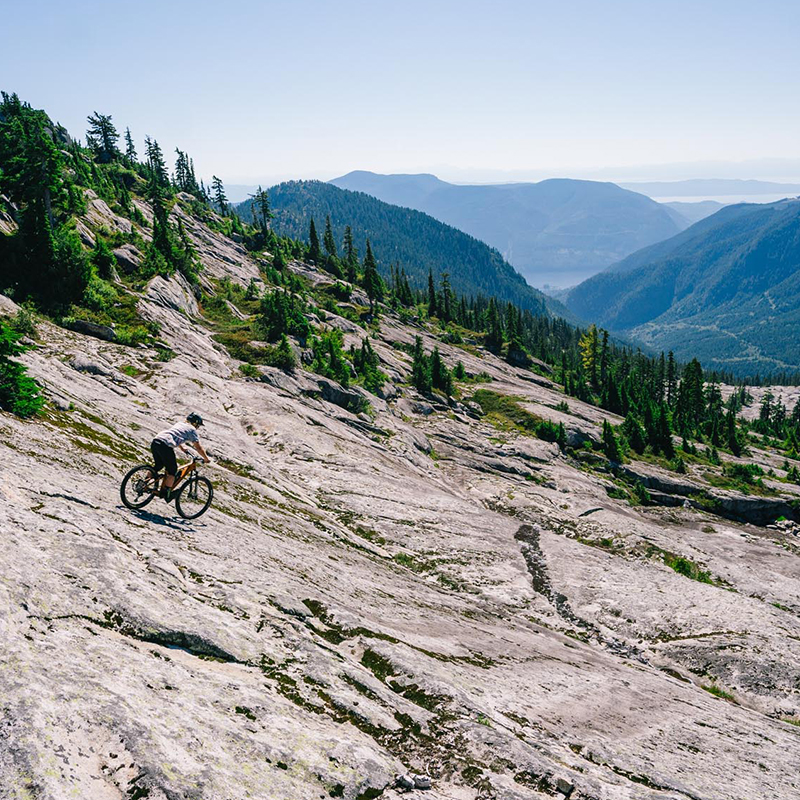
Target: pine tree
327	240
372	282
262	212
314	250
130	149
433	310
590	350
447	298
494	328
19	393
634	434
219	196
350	256
610	443
440	375
102	138
421	368
671	380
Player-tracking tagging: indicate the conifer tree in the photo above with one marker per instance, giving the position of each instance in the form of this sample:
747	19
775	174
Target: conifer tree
350	255
590	350
433	309
372	281
130	149
604	359
219	196
440	375
262	212
671	380
314	250
420	368
610	443
494	328
447	298
327	240
19	393
634	433
102	138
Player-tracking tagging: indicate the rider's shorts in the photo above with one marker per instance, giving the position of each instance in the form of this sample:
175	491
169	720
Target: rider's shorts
164	456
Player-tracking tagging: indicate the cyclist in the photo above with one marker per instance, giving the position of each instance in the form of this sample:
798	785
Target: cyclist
163	449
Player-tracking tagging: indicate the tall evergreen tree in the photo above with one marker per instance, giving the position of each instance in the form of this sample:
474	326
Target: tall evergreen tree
314	250
218	195
327	240
433	302
350	255
261	209
590	353
130	148
102	137
372	282
671	380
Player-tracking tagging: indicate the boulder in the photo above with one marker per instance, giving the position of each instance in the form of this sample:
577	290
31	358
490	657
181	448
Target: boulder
104	332
128	257
82	363
349	399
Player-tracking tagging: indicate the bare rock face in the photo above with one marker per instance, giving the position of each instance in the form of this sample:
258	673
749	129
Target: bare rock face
173	293
412	600
128	258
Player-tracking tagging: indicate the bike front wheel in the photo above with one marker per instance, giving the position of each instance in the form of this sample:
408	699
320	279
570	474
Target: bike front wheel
194	497
138	486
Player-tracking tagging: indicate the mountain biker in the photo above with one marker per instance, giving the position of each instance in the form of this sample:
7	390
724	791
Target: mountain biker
163	449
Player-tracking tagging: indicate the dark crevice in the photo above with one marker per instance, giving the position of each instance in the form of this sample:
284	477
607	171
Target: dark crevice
528	537
176	640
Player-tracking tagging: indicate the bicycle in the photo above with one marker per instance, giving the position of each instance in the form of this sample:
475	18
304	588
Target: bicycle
142	483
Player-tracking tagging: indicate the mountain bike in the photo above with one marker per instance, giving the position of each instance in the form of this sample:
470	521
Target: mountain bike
192	492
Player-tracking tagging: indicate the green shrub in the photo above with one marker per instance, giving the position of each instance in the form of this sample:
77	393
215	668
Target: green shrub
249	371
19	393
329	359
282	313
102	258
24	322
132	335
365	362
99	295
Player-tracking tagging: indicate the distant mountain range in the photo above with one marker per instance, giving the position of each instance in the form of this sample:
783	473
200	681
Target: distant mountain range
689	213
703	187
414	241
555	232
726	290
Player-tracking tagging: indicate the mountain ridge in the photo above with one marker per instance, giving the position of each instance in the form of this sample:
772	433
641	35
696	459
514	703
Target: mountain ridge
556	231
726	289
415	241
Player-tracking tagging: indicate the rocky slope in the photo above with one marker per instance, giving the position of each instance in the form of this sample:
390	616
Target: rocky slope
412	592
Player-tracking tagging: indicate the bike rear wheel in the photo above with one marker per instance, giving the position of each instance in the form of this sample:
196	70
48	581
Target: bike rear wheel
194	497
138	486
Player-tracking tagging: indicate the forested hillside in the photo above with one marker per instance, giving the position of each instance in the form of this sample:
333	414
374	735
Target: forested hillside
555	232
409	239
727	290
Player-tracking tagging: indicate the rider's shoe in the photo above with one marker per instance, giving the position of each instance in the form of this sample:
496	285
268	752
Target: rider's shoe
167	495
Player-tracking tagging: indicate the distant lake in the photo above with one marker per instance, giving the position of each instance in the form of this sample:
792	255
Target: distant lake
727	199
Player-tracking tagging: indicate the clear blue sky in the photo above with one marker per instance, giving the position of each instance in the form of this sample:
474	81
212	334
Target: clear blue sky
256	91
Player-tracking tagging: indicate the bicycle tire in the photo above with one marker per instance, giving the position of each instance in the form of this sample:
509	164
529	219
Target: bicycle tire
138	490
191	496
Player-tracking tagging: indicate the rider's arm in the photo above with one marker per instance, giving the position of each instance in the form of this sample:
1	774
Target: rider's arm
197	446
